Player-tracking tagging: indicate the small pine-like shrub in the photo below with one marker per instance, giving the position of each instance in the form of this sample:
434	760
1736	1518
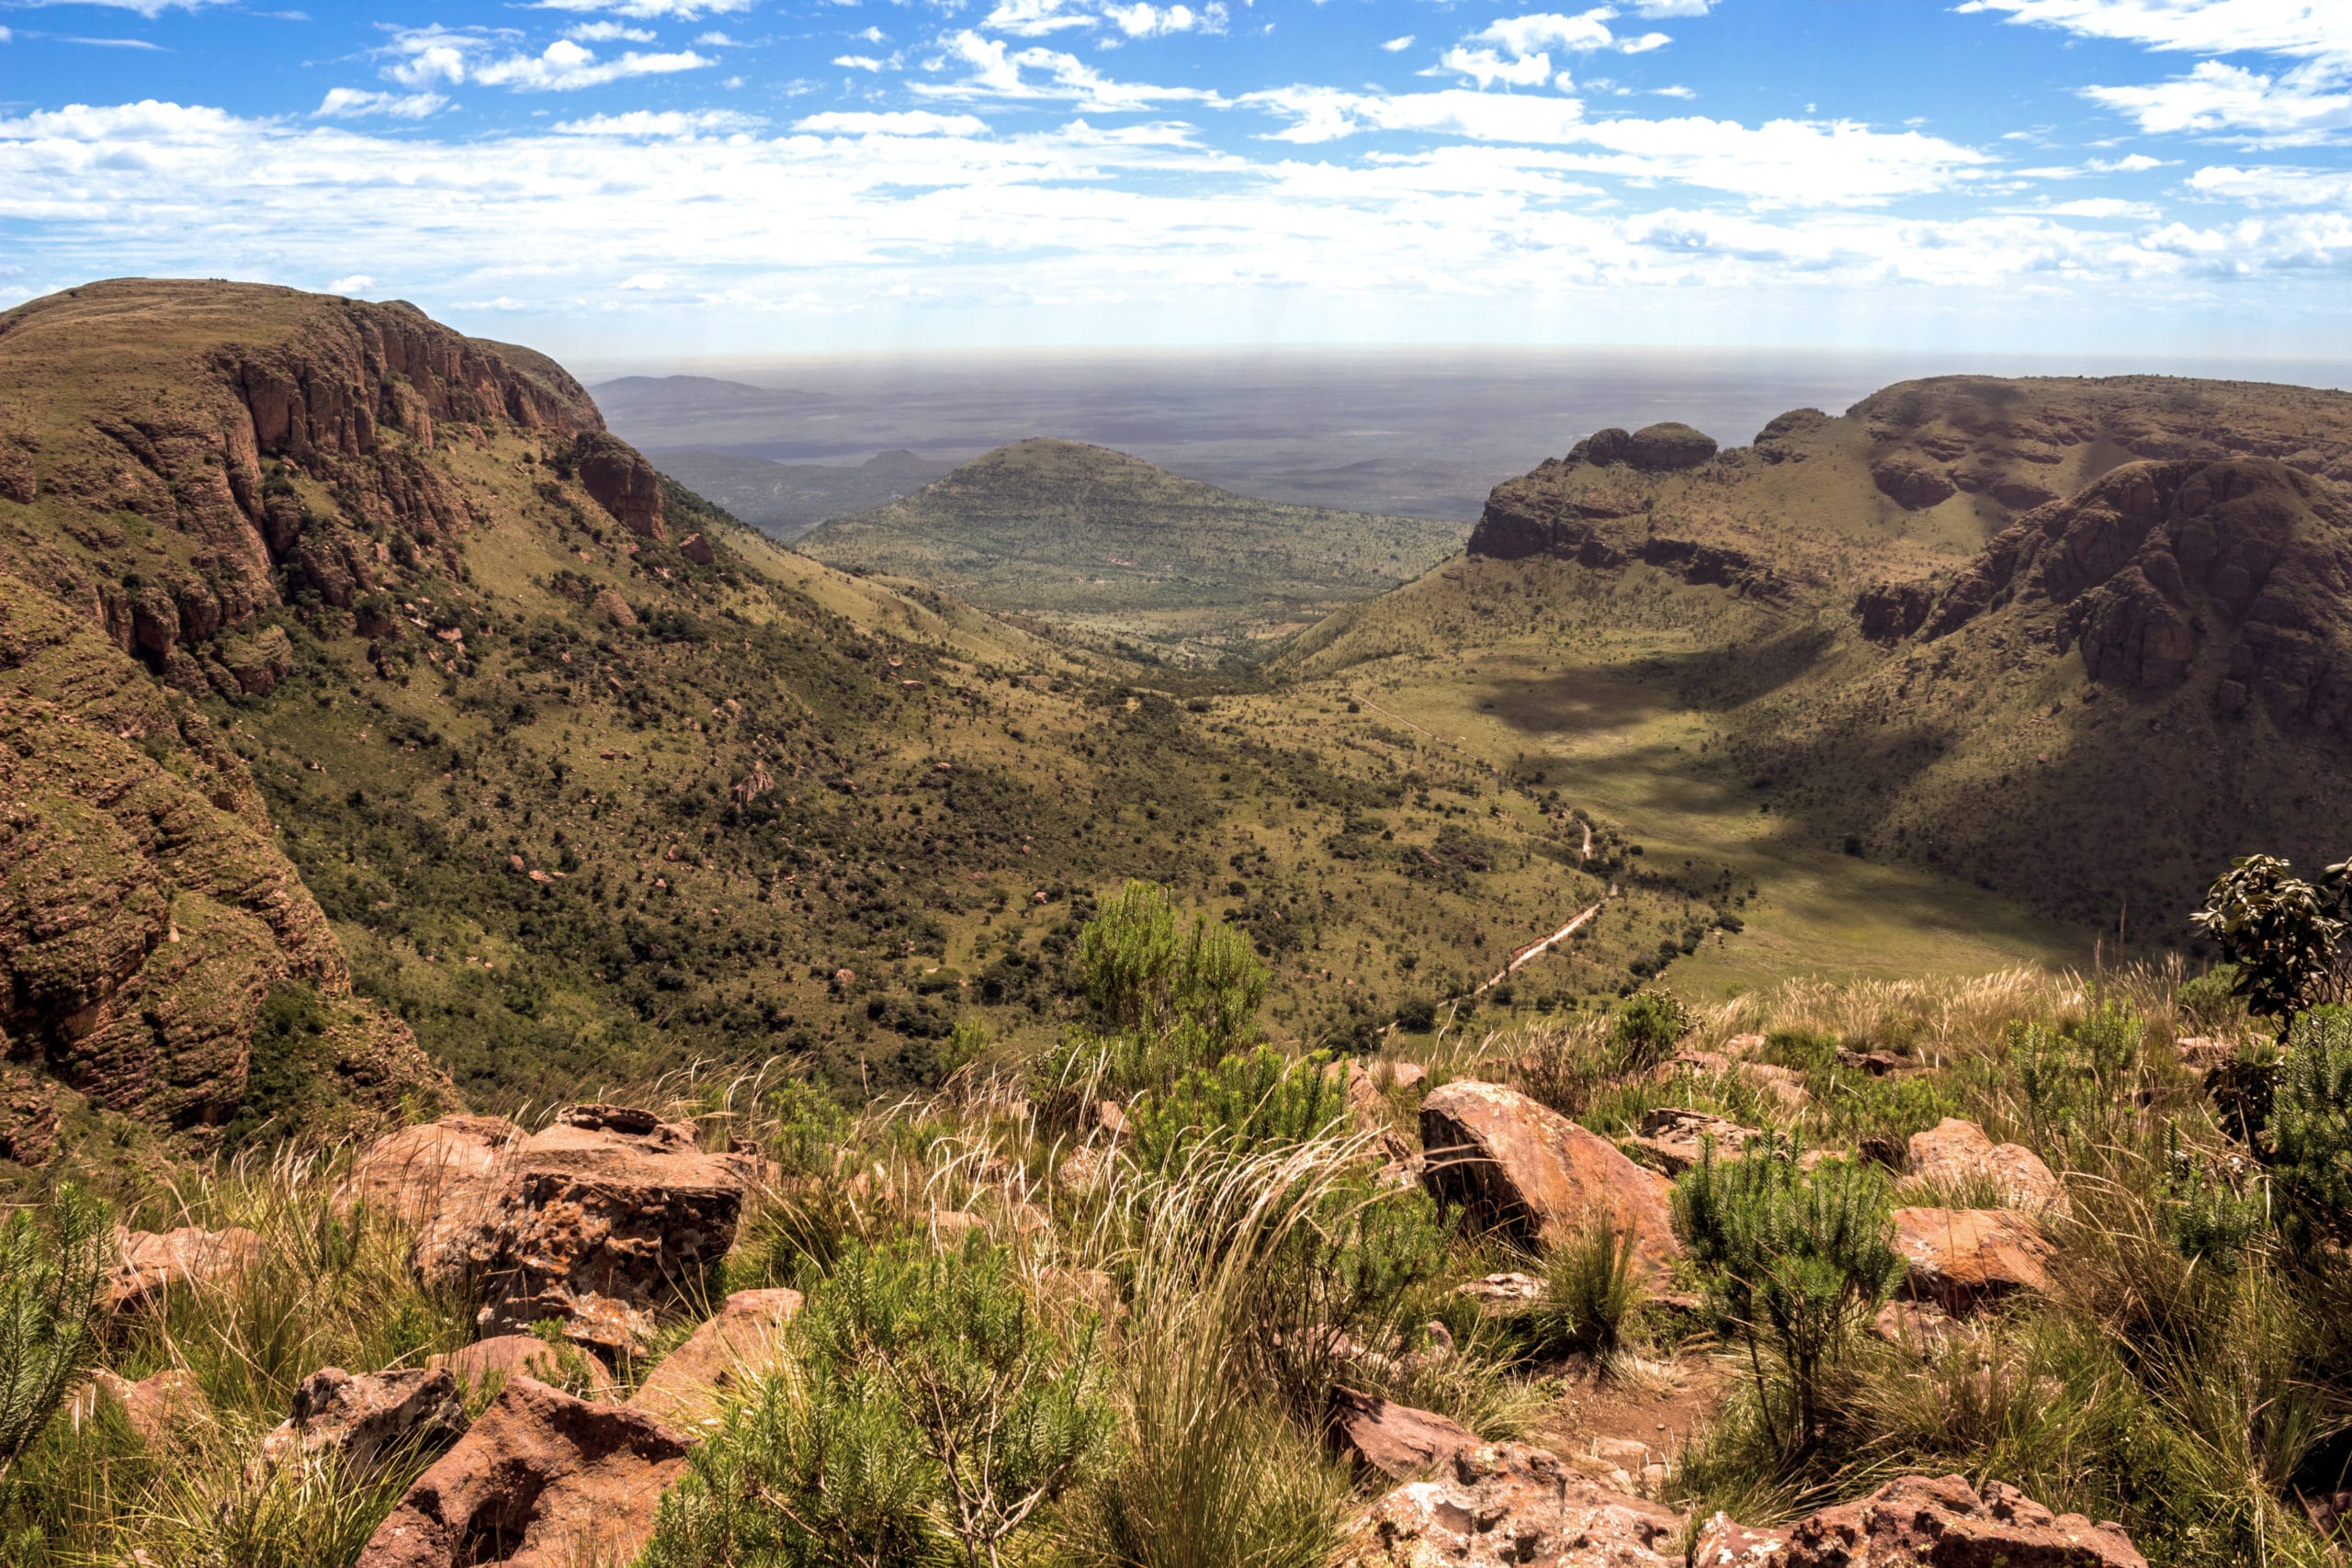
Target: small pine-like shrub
2310	1121
1242	1105
927	1413
1795	1262
50	1268
2203	1212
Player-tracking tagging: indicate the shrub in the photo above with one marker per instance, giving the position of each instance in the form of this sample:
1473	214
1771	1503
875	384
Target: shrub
50	1269
2284	937
2206	1216
1646	1029
927	1411
1243	1105
1793	1262
1593	1286
2211	1001
2311	1121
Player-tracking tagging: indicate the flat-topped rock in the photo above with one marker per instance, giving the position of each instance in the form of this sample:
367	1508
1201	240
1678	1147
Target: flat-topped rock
1955	1153
1398	1440
1507	1506
1919	1520
365	1421
149	1264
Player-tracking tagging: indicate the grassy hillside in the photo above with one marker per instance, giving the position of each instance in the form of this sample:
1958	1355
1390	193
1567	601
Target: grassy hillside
785	501
1089	539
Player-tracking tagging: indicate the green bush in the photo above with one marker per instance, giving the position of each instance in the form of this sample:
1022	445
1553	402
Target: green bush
2310	1121
1646	1029
50	1268
1593	1286
2211	1002
927	1412
2285	937
2206	1216
1243	1105
1793	1262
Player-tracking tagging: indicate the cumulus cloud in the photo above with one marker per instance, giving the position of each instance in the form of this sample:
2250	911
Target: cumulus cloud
651	10
429	56
350	103
607	32
2275	186
352	284
1132	18
1516	51
2297	106
1398	45
900	122
994	70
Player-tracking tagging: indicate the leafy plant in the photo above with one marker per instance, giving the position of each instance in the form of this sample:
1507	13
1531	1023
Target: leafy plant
1794	1261
50	1268
1647	1027
1150	975
2311	1121
2204	1213
928	1413
2284	935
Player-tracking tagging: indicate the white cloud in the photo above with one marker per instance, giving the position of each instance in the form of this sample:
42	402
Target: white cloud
136	43
723	40
901	122
2309	28
1516	50
2275	186
1675	91
1143	19
607	32
995	71
860	62
422	57
2102	207
647	282
872	35
2132	163
1487	67
1131	19
6	35
651	10
661	123
1036	18
352	284
1398	45
2297	106
1670	8
347	103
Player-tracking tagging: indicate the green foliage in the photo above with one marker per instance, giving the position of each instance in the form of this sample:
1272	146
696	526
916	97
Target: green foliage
1794	1261
2210	1003
2207	1215
1152	976
1593	1286
2076	1081
2285	936
50	1268
2311	1121
1211	1480
1244	1104
1647	1027
928	1413
810	1128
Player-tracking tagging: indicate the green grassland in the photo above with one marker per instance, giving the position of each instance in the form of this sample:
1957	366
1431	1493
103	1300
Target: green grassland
1123	552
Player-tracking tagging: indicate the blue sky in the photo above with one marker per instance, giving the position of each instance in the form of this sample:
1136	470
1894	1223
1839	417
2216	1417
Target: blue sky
631	178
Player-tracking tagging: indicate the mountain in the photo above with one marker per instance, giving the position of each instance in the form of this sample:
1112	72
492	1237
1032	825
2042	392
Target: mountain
2074	643
1093	539
628	397
785	501
382	732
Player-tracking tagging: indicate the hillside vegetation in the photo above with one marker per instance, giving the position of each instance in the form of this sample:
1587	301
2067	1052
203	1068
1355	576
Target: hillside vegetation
785	501
1092	539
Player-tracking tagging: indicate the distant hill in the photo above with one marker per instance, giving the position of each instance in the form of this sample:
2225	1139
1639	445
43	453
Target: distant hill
1108	544
783	500
628	395
2076	641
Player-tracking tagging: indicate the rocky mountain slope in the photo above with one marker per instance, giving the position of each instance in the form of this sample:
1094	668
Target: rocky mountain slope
396	703
2078	642
1091	538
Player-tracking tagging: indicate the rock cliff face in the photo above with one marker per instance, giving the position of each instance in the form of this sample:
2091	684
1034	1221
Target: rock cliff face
269	443
2162	565
145	913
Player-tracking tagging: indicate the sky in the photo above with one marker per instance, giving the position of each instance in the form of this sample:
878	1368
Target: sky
650	179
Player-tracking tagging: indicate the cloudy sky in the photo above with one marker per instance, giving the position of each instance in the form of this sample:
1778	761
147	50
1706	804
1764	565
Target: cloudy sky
610	178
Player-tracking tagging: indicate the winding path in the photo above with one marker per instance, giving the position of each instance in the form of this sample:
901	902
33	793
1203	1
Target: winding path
1535	950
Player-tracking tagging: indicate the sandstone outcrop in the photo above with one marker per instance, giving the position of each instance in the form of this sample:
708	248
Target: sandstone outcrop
623	482
542	1479
1954	1153
1504	1505
150	1264
741	1340
1920	1520
154	1407
1966	1259
1664	448
366	1422
504	1357
1395	1439
1911	481
1520	1167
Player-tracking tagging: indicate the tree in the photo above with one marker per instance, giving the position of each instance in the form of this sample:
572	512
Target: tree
1152	977
50	1269
2286	936
1794	1260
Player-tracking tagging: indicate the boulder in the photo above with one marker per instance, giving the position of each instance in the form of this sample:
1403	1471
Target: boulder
1502	1291
623	482
508	1356
1955	1152
1523	1169
367	1421
1661	449
541	1481
150	1262
601	1219
1614	445
1505	1504
1965	1259
1910	480
151	1406
696	549
443	1179
737	1343
1919	1520
1395	1440
1671	1139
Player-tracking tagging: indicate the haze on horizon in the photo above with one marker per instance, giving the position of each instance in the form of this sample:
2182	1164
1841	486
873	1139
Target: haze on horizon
634	180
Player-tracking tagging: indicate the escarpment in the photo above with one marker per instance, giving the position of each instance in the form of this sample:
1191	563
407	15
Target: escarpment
226	449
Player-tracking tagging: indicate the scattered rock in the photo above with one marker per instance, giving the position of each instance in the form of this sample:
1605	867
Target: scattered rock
1919	1325
696	549
623	482
1945	1522
1965	1259
541	1481
1955	1152
507	1356
738	1341
150	1262
439	1176
1395	1440
611	608
367	1421
1502	1290
1505	1504
152	1406
1671	1139
1519	1167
